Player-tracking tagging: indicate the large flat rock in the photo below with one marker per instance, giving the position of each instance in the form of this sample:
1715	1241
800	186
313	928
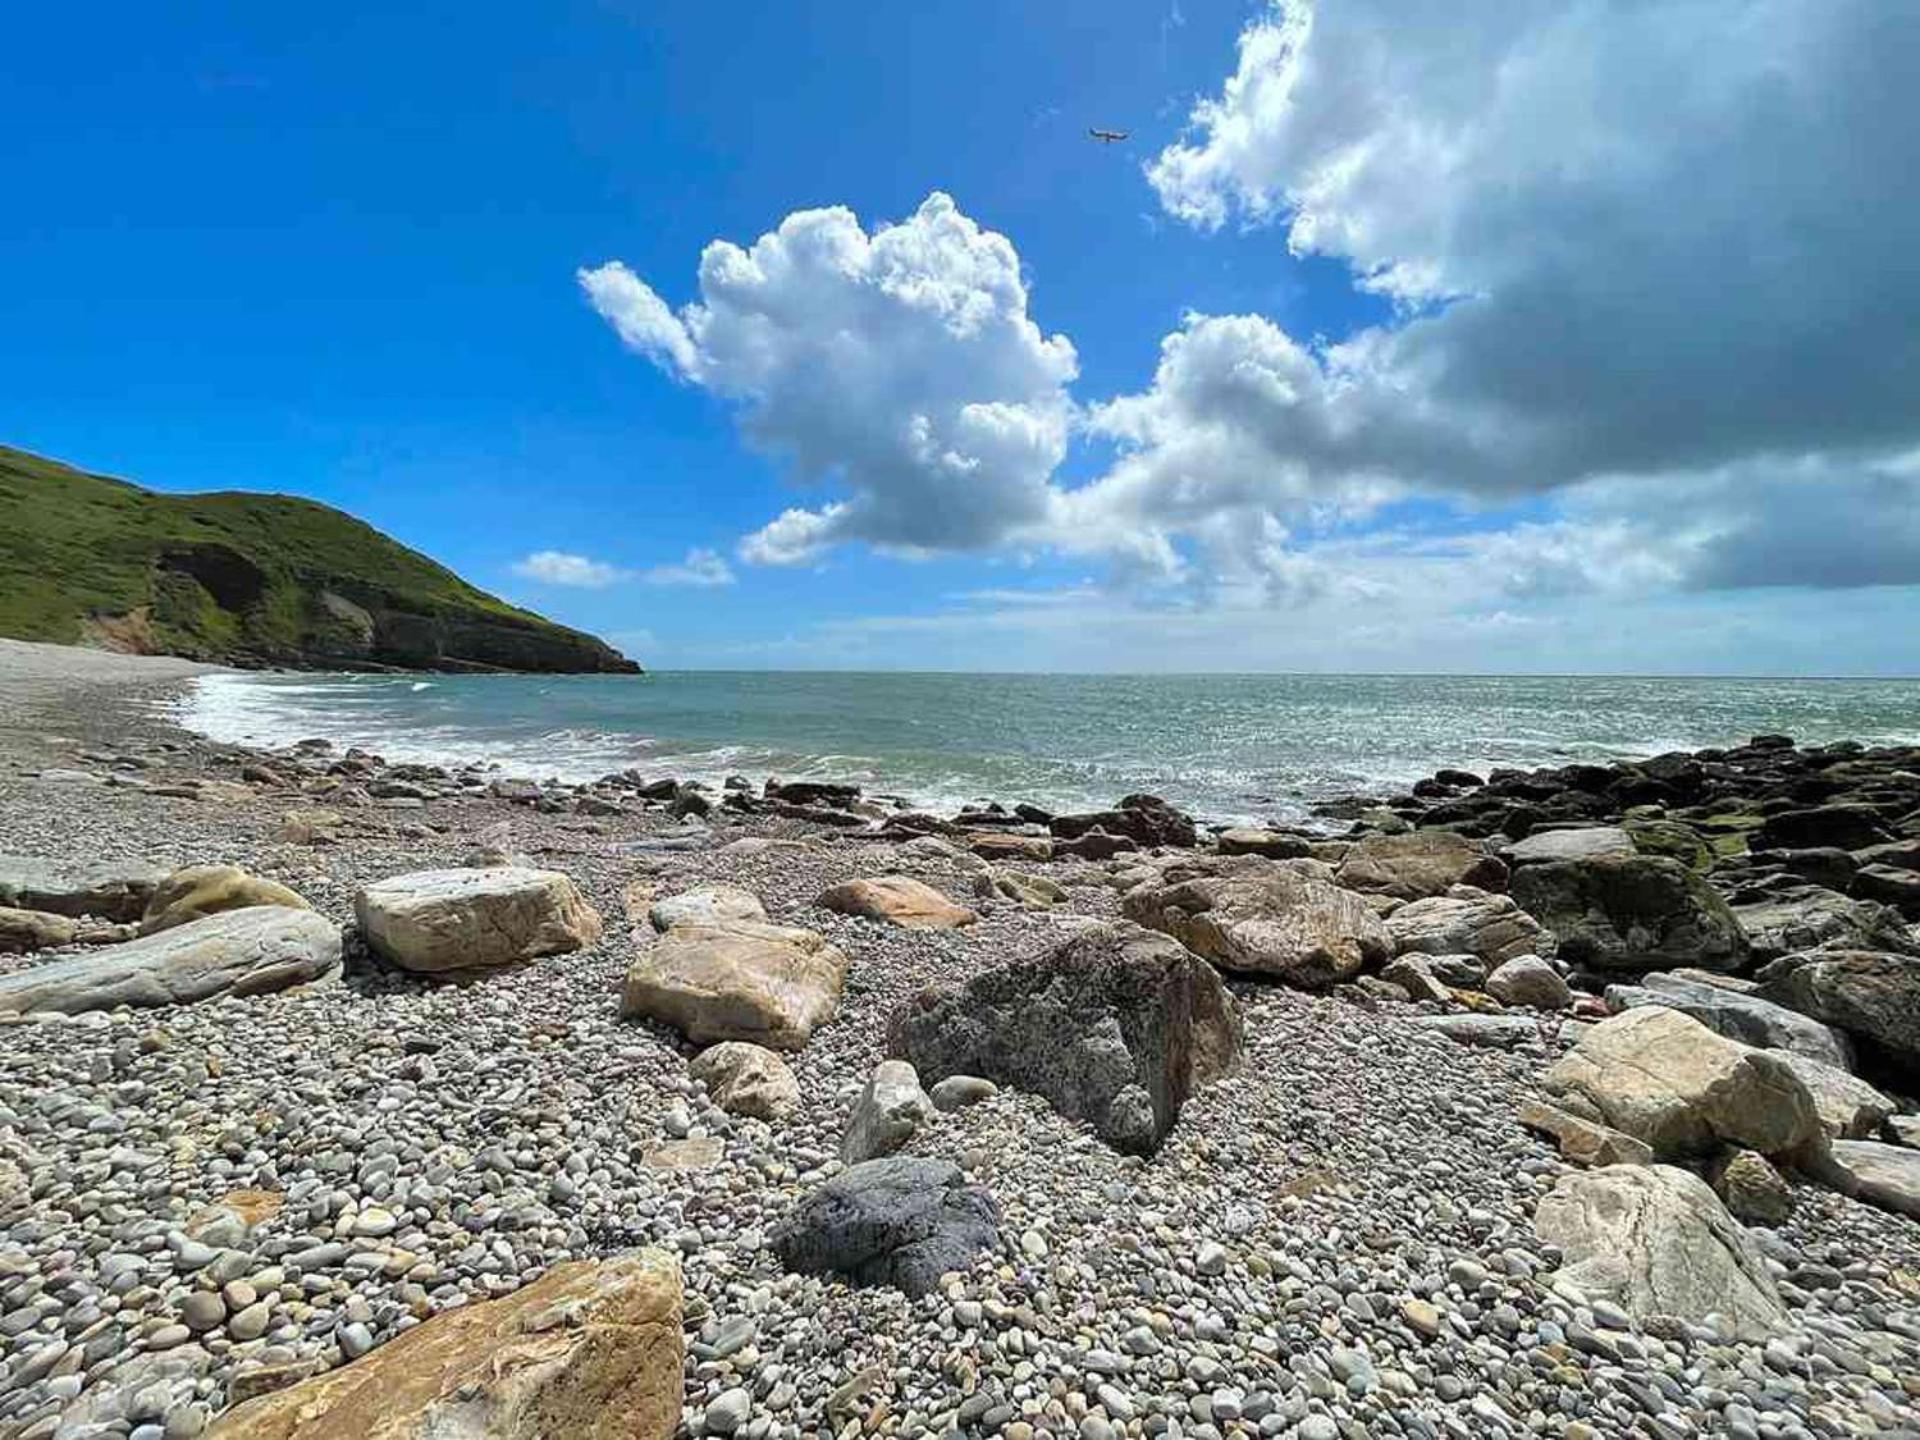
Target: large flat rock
109	889
440	920
737	980
237	952
593	1349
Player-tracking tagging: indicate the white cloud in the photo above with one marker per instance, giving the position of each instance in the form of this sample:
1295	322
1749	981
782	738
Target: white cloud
557	567
899	365
702	567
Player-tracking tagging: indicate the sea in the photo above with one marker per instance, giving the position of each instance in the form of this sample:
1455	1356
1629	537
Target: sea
1225	747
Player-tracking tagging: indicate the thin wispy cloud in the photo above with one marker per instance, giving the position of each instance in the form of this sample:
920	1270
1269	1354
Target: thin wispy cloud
702	568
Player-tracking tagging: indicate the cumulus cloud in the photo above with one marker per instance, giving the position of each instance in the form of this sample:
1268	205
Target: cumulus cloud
703	568
900	365
557	567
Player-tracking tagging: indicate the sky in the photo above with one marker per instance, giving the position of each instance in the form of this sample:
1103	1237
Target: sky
1527	336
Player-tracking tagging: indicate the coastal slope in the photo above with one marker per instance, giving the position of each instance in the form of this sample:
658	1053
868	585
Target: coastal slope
249	580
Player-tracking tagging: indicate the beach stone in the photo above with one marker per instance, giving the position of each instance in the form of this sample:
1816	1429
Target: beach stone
1810	917
1631	912
896	900
1413	974
709	904
1266	918
1419	864
1466	921
1873	995
997	845
1655	1240
237	952
24	931
1529	980
433	921
1751	1189
1269	844
888	1111
1583	1141
1665	1078
1542	846
747	1079
1034	892
591	1349
741	980
310	826
1881	1174
902	1221
1115	1028
202	890
108	889
957	1092
1498	1032
1849	1108
1737	1014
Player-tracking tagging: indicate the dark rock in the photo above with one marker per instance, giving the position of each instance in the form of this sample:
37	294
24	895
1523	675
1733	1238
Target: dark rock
1807	917
812	792
1115	1028
1890	885
1825	865
1847	827
1096	844
902	1221
1145	819
1872	995
1631	913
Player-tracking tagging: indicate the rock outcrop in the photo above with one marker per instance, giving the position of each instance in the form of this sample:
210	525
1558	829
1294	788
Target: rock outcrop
592	1349
1116	1028
237	952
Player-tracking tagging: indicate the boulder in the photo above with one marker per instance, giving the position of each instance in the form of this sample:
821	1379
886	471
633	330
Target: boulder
1881	1174
1873	995
747	1079
1737	1015
1031	892
739	980
1849	1108
1529	980
1655	1240
1584	1141
1266	918
1418	864
995	845
1144	819
1631	913
591	1349
108	889
1543	846
202	890
1115	1028
24	931
1466	921
1095	845
896	900
438	920
1415	976
1844	827
1752	1190
709	904
1808	917
1890	885
957	1092
1268	844
1665	1078
902	1221
889	1110
237	952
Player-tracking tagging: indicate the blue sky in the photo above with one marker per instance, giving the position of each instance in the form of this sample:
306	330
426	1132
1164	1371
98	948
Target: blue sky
1540	339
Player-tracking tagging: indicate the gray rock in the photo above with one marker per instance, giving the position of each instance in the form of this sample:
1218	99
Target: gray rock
957	1092
1873	995
1529	980
1419	864
1881	1174
1849	1108
1747	1018
1656	1240
1543	846
889	1110
237	952
110	889
1115	1028
1631	913
901	1221
1808	917
1501	1032
708	904
1466	921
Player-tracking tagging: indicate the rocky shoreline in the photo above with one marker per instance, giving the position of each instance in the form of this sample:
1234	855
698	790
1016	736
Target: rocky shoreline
1574	1102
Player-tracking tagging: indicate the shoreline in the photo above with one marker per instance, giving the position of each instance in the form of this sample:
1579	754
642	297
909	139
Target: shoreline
1341	1232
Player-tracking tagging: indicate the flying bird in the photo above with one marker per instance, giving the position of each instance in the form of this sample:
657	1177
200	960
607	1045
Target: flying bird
1106	137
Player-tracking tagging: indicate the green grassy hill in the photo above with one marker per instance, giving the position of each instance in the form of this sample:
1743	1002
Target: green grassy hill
249	580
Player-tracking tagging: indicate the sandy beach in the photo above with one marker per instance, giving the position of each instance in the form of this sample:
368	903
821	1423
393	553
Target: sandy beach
1337	1237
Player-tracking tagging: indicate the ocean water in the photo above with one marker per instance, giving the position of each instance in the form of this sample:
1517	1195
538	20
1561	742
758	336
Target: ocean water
1224	746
